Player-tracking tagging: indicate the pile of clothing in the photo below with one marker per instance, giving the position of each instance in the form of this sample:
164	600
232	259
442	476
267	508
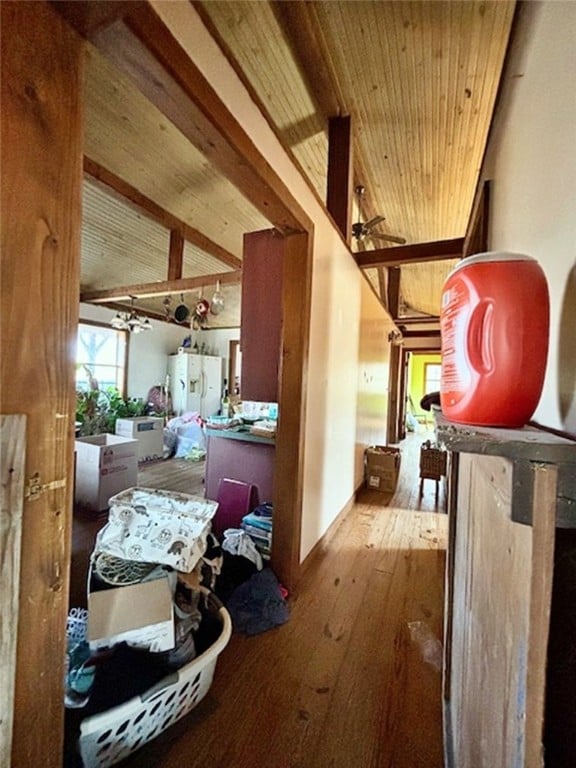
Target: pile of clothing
251	592
152	566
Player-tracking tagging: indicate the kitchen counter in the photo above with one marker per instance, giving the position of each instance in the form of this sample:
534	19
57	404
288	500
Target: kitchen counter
240	433
236	454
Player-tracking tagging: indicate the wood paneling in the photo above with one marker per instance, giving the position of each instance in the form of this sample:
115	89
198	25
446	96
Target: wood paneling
13	445
154	60
404	73
41	190
129	136
289	470
501	587
121	189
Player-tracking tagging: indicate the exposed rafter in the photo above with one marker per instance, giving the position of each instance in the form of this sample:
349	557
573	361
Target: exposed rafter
476	239
411	254
432	334
417	319
339	182
382	285
303	31
88	17
127	193
176	255
144	49
393	292
146	290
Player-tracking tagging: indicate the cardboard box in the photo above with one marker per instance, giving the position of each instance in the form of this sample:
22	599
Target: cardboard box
105	465
382	464
140	614
148	430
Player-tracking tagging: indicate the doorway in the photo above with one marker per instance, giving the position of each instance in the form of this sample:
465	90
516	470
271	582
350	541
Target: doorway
423	377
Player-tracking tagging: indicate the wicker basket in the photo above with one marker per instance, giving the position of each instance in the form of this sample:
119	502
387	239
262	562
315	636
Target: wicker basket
108	737
432	462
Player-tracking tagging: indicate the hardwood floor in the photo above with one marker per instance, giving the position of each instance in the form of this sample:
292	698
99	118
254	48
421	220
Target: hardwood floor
351	681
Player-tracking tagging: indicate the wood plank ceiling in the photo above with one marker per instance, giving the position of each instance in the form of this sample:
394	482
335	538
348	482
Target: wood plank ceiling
419	80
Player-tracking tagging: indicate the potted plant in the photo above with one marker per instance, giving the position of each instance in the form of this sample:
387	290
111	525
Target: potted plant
97	409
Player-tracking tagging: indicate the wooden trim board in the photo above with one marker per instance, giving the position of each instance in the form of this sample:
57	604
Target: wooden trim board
12	463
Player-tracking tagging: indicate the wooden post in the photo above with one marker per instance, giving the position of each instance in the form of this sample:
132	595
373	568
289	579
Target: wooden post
41	217
176	255
339	182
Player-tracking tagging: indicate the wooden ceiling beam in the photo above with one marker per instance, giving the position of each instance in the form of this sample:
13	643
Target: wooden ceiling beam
146	290
476	237
89	17
302	29
439	250
125	192
406	334
393	292
175	254
414	319
383	286
340	174
144	49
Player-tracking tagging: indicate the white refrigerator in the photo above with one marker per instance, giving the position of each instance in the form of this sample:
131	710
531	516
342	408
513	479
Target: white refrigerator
195	383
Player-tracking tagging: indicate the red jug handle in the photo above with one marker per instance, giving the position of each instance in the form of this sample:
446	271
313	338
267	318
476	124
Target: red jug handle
479	337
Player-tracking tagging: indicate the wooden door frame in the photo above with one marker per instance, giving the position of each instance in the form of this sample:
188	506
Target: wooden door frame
143	47
42	137
47	512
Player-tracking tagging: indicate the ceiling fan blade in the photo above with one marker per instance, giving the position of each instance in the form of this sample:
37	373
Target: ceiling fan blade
390	238
373	222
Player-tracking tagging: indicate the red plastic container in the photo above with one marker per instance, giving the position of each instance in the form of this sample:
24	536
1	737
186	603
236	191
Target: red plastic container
494	323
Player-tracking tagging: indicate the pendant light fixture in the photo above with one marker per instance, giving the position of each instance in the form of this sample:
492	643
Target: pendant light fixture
130	321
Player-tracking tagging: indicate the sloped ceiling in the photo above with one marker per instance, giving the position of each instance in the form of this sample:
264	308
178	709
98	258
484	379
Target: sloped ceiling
419	80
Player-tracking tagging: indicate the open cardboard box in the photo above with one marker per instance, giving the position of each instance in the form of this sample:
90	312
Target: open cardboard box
140	614
382	468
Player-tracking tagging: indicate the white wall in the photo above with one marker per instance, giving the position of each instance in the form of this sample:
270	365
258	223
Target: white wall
532	161
330	429
373	378
148	352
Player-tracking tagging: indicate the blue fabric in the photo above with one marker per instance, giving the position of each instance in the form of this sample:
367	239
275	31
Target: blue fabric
257	605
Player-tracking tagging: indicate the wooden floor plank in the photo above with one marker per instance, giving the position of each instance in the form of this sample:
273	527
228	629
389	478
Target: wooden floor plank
343	684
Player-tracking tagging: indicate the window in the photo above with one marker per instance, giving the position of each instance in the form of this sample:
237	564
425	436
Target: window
101	355
431	377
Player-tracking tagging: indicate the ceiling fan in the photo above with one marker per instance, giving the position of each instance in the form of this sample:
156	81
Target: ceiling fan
364	230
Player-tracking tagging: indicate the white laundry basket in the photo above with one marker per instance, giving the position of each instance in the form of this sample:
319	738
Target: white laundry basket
108	737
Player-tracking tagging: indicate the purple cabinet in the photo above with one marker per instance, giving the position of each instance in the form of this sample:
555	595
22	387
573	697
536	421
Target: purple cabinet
246	460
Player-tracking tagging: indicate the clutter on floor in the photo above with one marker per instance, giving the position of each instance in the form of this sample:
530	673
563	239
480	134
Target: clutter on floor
184	437
164	594
258	525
